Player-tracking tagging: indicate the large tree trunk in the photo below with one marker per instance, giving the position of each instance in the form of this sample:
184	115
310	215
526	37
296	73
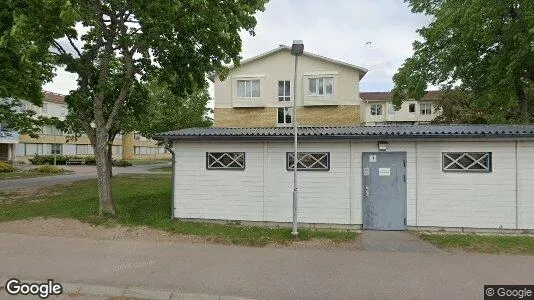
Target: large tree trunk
523	105
110	160
107	206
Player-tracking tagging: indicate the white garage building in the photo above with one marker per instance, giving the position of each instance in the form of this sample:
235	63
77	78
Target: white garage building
383	178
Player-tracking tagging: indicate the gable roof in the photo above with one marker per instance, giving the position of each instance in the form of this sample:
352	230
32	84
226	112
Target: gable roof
385	96
54	97
360	132
281	47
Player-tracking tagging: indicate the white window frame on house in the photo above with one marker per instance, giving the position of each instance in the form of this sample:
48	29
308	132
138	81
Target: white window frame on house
225	161
287	112
425	108
317	86
56	149
376	109
309	161
476	162
284	90
251	88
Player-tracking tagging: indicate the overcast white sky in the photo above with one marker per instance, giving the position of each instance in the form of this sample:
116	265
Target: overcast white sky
338	29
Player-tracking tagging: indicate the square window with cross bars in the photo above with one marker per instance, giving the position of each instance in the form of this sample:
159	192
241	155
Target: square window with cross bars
225	160
309	161
466	161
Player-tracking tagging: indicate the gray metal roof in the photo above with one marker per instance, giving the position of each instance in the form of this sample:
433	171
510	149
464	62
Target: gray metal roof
403	131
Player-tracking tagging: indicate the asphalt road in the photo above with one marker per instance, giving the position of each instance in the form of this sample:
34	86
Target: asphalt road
262	273
87	173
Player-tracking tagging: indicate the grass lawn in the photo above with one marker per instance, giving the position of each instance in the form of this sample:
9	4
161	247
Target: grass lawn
143	200
139	162
27	174
482	243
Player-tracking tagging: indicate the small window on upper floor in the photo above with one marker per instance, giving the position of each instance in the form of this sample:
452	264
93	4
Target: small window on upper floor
411	108
321	86
248	88
376	109
425	108
284	90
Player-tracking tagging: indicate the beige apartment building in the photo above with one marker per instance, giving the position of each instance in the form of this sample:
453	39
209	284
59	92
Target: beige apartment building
377	109
52	141
259	93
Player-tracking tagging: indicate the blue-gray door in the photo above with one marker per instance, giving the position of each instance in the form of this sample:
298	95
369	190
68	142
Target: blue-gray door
384	190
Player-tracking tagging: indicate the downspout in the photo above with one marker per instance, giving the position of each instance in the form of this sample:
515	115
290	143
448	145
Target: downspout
169	148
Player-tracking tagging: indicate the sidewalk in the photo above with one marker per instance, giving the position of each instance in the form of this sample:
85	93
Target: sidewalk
101	292
258	273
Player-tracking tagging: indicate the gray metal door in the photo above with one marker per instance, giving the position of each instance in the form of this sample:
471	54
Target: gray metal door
384	190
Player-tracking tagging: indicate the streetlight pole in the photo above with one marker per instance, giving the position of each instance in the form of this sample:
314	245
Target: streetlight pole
296	49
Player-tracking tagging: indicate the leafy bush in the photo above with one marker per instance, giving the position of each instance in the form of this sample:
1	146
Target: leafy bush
120	163
90	160
48	169
6	167
60	159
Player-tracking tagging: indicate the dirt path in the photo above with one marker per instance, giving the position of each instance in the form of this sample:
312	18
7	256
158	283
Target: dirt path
70	228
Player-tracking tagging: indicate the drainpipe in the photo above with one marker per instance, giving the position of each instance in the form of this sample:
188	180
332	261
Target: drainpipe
169	148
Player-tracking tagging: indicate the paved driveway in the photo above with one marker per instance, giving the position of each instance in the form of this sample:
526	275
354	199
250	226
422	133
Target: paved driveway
81	173
263	273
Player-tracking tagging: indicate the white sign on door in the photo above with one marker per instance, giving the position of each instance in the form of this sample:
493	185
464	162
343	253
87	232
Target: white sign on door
372	158
365	171
384	172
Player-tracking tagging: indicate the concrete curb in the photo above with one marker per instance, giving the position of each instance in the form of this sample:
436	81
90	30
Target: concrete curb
87	291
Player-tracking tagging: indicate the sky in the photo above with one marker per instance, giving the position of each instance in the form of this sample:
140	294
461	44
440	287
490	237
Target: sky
376	35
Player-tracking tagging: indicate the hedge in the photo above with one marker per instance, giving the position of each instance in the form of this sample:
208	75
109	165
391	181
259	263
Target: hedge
62	160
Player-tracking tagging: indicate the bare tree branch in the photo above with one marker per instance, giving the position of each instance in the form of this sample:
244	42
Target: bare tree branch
59	48
123	92
74	47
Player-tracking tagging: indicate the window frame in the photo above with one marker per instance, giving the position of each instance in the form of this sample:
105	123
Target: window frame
286	97
410	108
318	86
375	105
425	107
248	83
290	167
447	169
52	150
211	168
285	123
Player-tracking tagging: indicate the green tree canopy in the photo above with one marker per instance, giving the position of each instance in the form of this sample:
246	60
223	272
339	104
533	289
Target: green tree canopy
484	48
114	46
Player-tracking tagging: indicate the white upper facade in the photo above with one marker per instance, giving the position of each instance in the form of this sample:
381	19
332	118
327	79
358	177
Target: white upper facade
377	109
267	81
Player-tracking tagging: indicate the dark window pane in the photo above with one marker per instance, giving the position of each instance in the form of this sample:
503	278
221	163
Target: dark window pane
280	116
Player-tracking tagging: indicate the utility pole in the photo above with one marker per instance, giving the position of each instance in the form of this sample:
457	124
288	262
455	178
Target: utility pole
296	49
